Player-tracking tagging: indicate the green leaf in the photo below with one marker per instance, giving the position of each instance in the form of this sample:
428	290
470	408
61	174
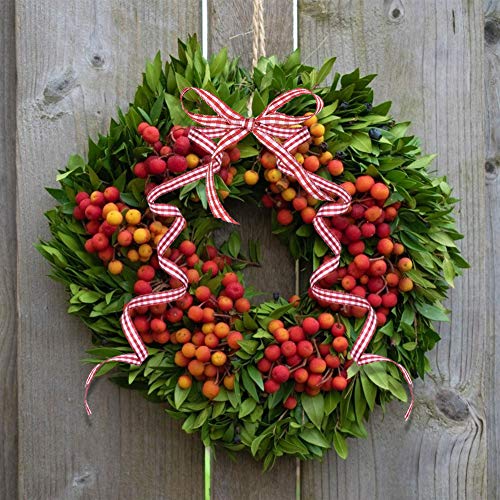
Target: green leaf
325	69
247	151
180	395
340	445
376	372
432	312
218	62
315	437
249	385
256	376
314	406
362	142
247	407
175	110
234	244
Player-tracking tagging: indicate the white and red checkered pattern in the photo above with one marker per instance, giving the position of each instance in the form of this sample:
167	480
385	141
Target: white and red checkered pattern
231	127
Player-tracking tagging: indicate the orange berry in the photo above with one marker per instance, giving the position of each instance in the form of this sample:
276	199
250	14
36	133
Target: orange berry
184	382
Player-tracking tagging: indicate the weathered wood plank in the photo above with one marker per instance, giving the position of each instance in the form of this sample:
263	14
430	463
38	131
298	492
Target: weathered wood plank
231	25
429	58
76	62
8	309
492	166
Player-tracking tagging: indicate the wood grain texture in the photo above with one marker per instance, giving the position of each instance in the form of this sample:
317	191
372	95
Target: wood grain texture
492	167
230	25
8	308
77	61
429	57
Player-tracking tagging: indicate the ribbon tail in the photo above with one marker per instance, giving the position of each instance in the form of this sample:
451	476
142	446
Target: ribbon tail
130	359
216	206
366	359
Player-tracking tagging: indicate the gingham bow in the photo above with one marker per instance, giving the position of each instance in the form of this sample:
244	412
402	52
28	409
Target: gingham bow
232	127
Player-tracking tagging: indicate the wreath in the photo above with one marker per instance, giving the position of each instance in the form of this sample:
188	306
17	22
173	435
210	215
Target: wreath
133	241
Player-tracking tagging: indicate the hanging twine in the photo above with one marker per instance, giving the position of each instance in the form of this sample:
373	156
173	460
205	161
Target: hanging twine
259	32
258	40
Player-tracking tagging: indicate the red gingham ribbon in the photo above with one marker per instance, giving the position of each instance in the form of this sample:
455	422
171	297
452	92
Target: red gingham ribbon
231	127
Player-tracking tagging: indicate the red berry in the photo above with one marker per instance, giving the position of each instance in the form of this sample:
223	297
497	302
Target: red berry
301	375
280	374
296	333
317	365
272	352
290	403
264	365
142	287
146	273
332	361
235	290
339	383
157	166
389	299
140	170
187	248
112	194
284	217
150	134
270	386
233	338
304	348
80	196
340	344
210	266
288	348
310	326
338	330
182	146
177	163
368	229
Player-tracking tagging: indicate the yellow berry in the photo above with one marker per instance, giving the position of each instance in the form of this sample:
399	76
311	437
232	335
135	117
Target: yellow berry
207	328
142	235
192	160
318	140
155	227
310	121
273	175
114	218
299	157
145	251
133	255
325	157
251	177
133	216
223	193
115	267
109	207
317	130
289	194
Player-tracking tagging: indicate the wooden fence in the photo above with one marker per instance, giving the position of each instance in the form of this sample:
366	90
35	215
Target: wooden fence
66	66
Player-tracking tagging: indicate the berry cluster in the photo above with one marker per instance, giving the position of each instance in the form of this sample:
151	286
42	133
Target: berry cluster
377	267
210	343
101	213
176	154
312	354
283	192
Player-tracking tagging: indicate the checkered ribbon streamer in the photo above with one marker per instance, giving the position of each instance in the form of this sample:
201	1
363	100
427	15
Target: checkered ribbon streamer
230	127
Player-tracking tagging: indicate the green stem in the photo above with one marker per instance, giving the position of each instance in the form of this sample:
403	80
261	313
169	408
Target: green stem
208	474
297	460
